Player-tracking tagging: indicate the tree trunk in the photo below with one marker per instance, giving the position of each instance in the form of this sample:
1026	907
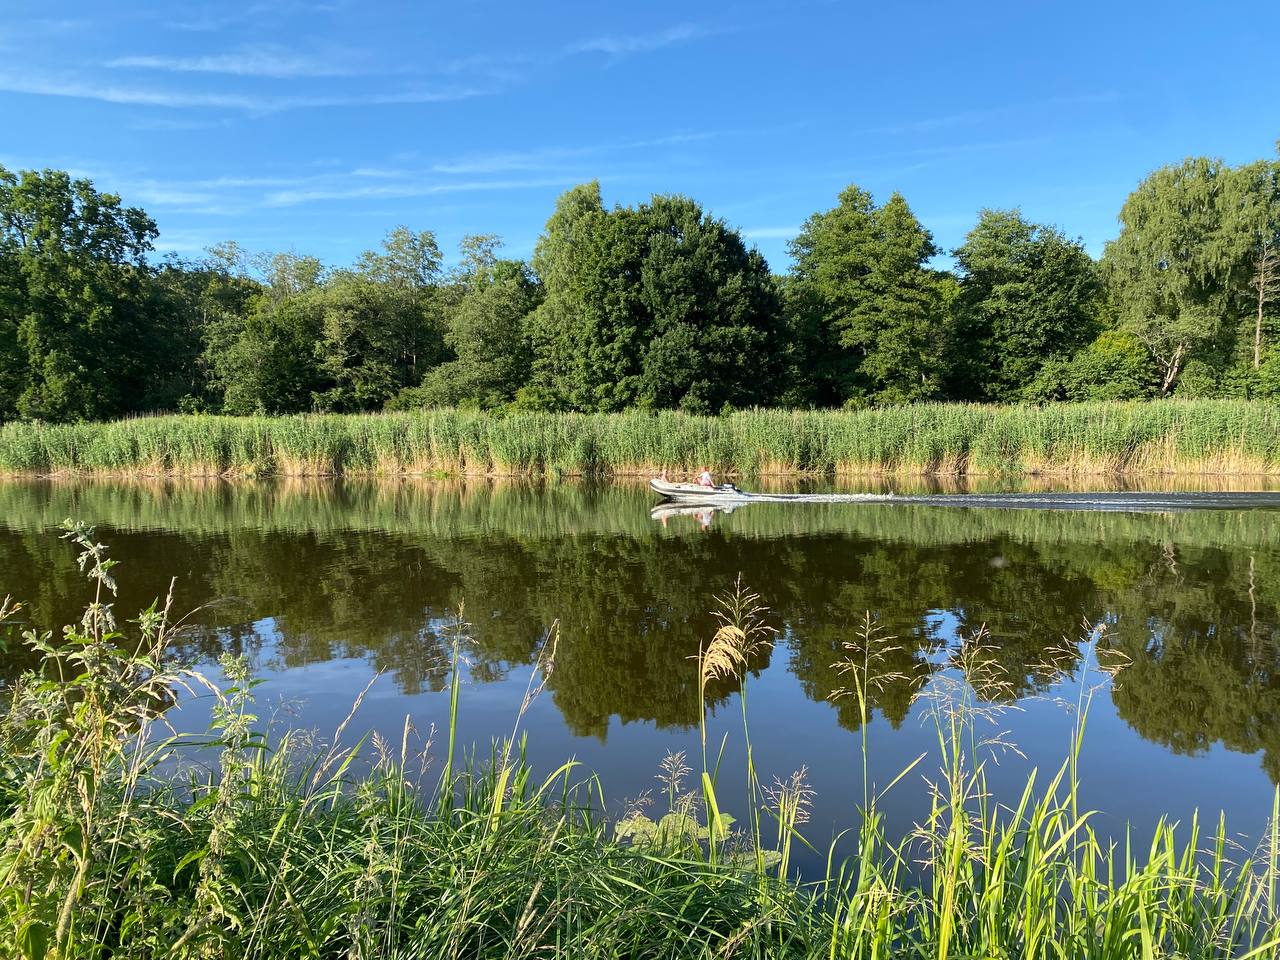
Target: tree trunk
1257	331
1171	369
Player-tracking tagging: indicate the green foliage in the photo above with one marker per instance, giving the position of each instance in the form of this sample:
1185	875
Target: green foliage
659	306
487	334
271	365
1115	366
1179	270
375	340
78	320
655	306
1027	300
870	315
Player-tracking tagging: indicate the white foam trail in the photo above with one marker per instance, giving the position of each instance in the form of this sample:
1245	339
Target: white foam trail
1133	502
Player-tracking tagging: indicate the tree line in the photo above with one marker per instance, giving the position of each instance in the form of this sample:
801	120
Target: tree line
657	305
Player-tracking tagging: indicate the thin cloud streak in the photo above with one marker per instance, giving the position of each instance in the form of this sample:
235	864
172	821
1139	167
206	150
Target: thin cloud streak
289	198
549	156
770	233
973	117
251	62
639	43
252	103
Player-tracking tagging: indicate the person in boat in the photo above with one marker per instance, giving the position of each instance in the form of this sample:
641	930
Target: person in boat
705	479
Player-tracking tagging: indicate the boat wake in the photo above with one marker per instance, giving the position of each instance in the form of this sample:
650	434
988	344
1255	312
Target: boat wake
1102	501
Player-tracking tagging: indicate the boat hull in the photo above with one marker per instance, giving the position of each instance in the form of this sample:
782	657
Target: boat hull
695	493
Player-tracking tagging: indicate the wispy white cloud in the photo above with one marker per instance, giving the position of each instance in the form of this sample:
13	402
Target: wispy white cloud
621	45
218	17
980	146
289	198
258	61
29	83
551	157
968	118
770	233
183	241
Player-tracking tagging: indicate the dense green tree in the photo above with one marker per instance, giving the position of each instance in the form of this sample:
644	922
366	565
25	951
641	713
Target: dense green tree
344	341
1028	297
288	274
204	303
381	328
1180	268
374	341
553	325
13	361
1115	366
407	260
871	311
79	311
488	336
656	306
271	365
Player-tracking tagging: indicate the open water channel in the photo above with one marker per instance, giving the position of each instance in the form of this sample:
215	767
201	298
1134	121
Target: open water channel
327	585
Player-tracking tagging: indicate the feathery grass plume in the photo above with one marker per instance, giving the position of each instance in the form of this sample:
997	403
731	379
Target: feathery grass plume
742	634
791	800
866	664
674	769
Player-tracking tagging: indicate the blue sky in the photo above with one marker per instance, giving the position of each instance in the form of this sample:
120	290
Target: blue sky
317	125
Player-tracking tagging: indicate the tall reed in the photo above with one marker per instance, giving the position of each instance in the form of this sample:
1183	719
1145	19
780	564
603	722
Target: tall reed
1194	436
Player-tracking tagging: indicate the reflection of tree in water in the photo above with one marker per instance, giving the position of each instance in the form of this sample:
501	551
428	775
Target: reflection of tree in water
1203	635
1199	622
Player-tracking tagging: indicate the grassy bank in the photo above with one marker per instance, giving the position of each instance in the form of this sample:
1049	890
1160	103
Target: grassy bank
1207	436
116	840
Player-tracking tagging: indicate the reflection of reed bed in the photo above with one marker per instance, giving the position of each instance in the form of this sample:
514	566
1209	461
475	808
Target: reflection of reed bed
469	507
120	841
1208	437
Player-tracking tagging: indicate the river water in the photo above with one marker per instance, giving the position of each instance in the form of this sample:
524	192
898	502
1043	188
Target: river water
328	585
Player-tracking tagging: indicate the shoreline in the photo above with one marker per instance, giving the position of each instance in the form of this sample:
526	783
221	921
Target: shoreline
1209	470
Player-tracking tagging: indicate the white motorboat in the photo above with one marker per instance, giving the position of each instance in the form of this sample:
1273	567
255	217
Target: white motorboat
696	492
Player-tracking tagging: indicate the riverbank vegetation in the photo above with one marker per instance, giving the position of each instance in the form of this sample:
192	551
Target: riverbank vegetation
655	306
119	839
1205	436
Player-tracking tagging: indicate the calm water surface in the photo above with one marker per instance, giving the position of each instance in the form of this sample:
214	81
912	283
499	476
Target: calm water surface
325	585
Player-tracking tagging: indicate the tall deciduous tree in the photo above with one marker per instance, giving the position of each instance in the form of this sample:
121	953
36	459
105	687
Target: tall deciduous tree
1179	269
1028	297
1266	286
655	306
487	332
79	317
381	330
271	366
879	327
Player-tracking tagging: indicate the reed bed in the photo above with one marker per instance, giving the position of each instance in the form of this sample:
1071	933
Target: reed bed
121	840
1197	436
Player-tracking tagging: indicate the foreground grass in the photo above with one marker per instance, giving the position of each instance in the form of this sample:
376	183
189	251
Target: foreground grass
116	840
1202	436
